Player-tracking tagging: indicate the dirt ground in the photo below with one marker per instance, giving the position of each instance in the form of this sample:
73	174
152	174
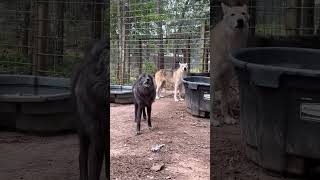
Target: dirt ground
185	154
229	158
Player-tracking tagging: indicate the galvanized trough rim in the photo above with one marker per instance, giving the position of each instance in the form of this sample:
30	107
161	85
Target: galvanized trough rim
43	81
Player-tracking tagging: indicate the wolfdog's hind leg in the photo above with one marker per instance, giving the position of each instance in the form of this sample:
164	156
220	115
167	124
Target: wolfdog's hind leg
96	156
149	116
83	156
135	112
144	114
159	86
180	92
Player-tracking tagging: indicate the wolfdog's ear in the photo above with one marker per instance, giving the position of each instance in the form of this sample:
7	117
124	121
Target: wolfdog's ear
245	7
225	8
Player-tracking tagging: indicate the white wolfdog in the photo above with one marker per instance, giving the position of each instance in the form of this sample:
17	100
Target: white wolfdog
171	76
229	34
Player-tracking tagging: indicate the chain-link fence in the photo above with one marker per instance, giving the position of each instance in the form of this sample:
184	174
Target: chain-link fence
47	37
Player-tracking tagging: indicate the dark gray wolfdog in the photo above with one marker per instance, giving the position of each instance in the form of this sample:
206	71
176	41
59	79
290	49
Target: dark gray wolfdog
90	89
144	93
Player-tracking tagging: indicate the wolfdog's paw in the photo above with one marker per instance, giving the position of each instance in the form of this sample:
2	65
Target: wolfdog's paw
176	100
138	133
157	97
181	99
229	120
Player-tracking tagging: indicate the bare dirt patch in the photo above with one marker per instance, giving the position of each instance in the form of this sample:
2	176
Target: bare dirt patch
229	158
185	154
186	139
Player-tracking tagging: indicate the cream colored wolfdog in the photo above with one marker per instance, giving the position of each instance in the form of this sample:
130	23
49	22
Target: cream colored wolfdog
171	76
229	34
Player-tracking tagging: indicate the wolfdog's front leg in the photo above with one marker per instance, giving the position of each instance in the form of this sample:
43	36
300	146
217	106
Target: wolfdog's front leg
139	118
225	105
180	92
144	114
96	155
83	156
149	116
135	111
175	91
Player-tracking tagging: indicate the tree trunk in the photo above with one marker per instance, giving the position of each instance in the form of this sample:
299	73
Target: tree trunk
292	19
252	20
60	7
307	15
26	37
42	57
97	19
161	50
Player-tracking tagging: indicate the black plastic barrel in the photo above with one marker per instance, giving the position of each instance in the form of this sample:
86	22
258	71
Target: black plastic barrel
280	107
197	94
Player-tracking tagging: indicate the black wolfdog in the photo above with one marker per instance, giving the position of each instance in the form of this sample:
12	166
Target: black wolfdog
144	94
90	89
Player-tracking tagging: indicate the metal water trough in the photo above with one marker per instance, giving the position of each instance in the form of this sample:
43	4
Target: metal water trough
121	94
35	104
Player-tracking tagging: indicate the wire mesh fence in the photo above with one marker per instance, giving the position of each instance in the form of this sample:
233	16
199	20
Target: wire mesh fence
278	17
158	34
47	37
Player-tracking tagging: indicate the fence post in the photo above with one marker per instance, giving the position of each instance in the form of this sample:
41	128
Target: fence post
203	41
43	17
187	53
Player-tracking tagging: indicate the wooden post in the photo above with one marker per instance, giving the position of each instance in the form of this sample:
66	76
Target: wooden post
44	26
60	7
161	50
316	17
307	17
35	25
202	44
26	37
40	32
187	53
128	64
252	20
97	19
292	19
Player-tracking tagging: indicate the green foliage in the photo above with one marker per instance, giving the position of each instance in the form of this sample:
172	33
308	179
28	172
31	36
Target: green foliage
149	67
12	62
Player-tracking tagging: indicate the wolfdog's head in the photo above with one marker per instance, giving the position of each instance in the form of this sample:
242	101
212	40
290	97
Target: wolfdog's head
145	80
236	17
183	67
